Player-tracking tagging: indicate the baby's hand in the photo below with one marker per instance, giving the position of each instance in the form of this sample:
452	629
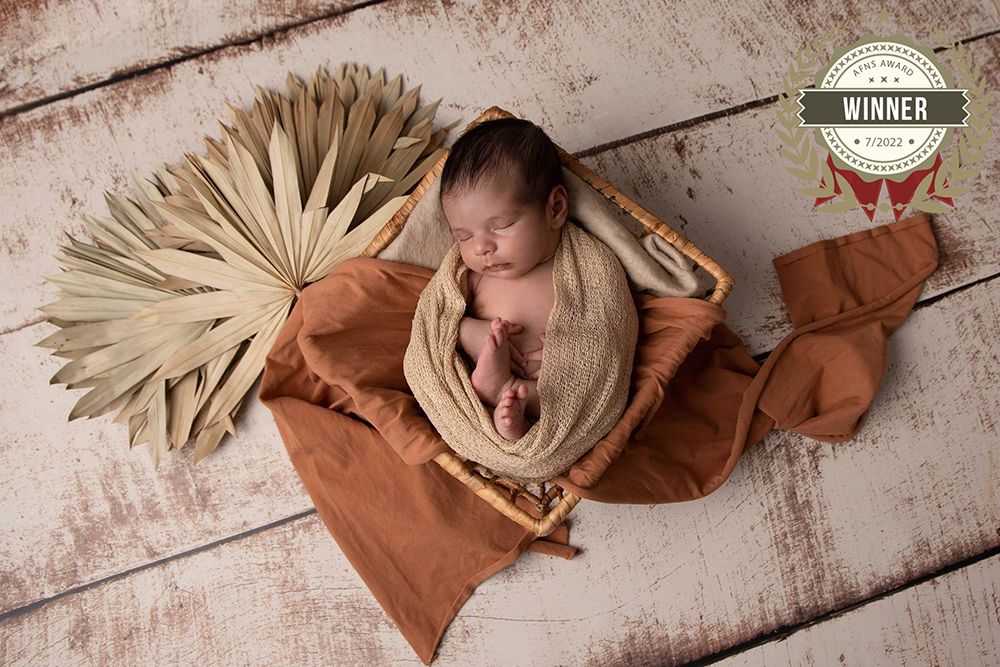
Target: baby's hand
517	362
535	355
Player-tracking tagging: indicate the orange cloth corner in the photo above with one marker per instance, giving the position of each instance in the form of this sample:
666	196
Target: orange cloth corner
422	542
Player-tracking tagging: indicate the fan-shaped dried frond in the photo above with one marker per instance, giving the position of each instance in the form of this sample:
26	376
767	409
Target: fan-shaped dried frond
169	315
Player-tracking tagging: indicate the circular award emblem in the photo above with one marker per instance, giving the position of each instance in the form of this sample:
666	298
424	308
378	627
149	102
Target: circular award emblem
883	107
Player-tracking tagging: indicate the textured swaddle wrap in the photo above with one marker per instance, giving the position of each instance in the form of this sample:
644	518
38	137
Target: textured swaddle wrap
585	374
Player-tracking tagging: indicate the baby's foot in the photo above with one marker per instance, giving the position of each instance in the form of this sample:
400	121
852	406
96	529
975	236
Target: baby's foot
492	373
508	418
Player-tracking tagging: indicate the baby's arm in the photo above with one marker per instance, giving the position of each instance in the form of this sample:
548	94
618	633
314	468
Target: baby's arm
471	333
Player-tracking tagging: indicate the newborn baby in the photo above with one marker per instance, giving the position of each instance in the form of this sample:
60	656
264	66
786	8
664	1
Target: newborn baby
505	203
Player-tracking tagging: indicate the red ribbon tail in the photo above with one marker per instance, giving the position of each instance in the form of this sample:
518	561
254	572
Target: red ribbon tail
864	191
822	183
900	194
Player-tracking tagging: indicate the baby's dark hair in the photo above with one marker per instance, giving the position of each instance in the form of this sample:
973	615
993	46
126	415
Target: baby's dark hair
505	146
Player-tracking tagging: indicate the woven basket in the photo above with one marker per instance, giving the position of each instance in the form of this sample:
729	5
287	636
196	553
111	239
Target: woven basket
550	502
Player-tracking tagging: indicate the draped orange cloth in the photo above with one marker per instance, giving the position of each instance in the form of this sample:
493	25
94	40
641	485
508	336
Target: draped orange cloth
422	542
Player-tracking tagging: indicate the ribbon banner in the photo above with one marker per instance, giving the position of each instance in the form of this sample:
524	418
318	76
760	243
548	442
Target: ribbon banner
918	107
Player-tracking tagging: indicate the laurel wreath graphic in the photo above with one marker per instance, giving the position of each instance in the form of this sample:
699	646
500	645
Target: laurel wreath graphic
957	167
960	165
799	147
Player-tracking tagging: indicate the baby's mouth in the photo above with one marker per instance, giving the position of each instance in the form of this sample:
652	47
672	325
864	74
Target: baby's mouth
496	267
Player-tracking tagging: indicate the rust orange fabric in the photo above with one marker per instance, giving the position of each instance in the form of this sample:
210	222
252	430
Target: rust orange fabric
422	542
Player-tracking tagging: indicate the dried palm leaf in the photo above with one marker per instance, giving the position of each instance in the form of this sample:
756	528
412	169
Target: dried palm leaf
169	315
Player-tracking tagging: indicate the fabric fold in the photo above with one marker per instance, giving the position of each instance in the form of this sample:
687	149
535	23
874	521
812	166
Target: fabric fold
422	542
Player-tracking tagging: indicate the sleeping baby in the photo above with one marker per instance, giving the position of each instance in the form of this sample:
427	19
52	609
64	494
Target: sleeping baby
503	197
519	273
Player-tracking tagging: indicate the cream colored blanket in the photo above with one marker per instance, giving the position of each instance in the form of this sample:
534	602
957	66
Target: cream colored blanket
584	378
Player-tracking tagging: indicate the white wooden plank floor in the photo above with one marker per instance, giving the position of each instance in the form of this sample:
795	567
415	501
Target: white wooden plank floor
811	553
950	619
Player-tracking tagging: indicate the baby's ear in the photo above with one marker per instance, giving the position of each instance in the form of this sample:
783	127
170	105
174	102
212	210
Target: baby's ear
559	201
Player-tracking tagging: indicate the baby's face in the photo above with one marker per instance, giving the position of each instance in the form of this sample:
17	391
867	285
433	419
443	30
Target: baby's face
493	230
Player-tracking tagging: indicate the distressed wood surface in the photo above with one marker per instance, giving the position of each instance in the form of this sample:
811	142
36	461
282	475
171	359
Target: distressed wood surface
62	156
80	506
86	522
714	58
951	619
731	231
40	63
800	530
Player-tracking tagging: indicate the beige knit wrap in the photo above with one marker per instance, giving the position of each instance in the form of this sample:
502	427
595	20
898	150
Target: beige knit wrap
585	374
